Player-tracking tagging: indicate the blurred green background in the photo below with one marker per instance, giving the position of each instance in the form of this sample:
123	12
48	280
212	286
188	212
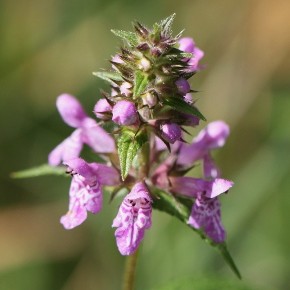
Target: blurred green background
51	47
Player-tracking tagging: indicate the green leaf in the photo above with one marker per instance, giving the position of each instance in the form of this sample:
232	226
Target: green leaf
183	107
128	146
228	258
180	208
108	76
41	170
130	37
166	25
140	83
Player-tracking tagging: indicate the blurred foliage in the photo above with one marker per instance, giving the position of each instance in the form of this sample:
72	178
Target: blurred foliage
51	47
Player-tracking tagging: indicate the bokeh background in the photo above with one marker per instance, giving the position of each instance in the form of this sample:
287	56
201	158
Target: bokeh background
51	47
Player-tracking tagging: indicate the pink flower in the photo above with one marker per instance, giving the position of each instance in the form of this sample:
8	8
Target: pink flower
187	44
86	190
87	132
205	213
213	136
197	187
125	113
133	218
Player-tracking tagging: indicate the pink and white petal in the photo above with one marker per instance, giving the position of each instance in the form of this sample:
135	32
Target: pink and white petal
74	217
217	187
77	213
134	216
94	201
70	110
139	191
206	215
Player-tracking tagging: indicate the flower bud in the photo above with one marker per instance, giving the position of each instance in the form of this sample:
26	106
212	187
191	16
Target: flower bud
170	132
190	120
144	64
125	89
150	100
125	113
183	86
103	109
188	98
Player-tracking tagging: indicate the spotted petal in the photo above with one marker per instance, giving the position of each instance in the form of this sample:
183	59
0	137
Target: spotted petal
206	215
133	218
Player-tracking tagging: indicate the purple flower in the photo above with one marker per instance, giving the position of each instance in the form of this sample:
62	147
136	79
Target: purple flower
205	214
86	190
183	86
196	187
133	218
187	44
170	132
87	132
125	113
213	136
103	109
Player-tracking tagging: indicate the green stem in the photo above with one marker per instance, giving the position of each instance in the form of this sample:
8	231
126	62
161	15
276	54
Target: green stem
129	273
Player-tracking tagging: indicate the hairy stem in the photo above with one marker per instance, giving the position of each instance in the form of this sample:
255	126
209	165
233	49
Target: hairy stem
129	273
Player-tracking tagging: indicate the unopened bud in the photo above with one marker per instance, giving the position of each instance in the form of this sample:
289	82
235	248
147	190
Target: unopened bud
150	100
170	132
103	109
144	64
125	113
125	89
183	86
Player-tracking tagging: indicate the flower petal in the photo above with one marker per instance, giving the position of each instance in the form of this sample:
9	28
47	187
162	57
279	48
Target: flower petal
70	110
77	213
106	175
213	136
196	187
81	167
97	138
83	198
70	148
206	215
217	187
133	218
